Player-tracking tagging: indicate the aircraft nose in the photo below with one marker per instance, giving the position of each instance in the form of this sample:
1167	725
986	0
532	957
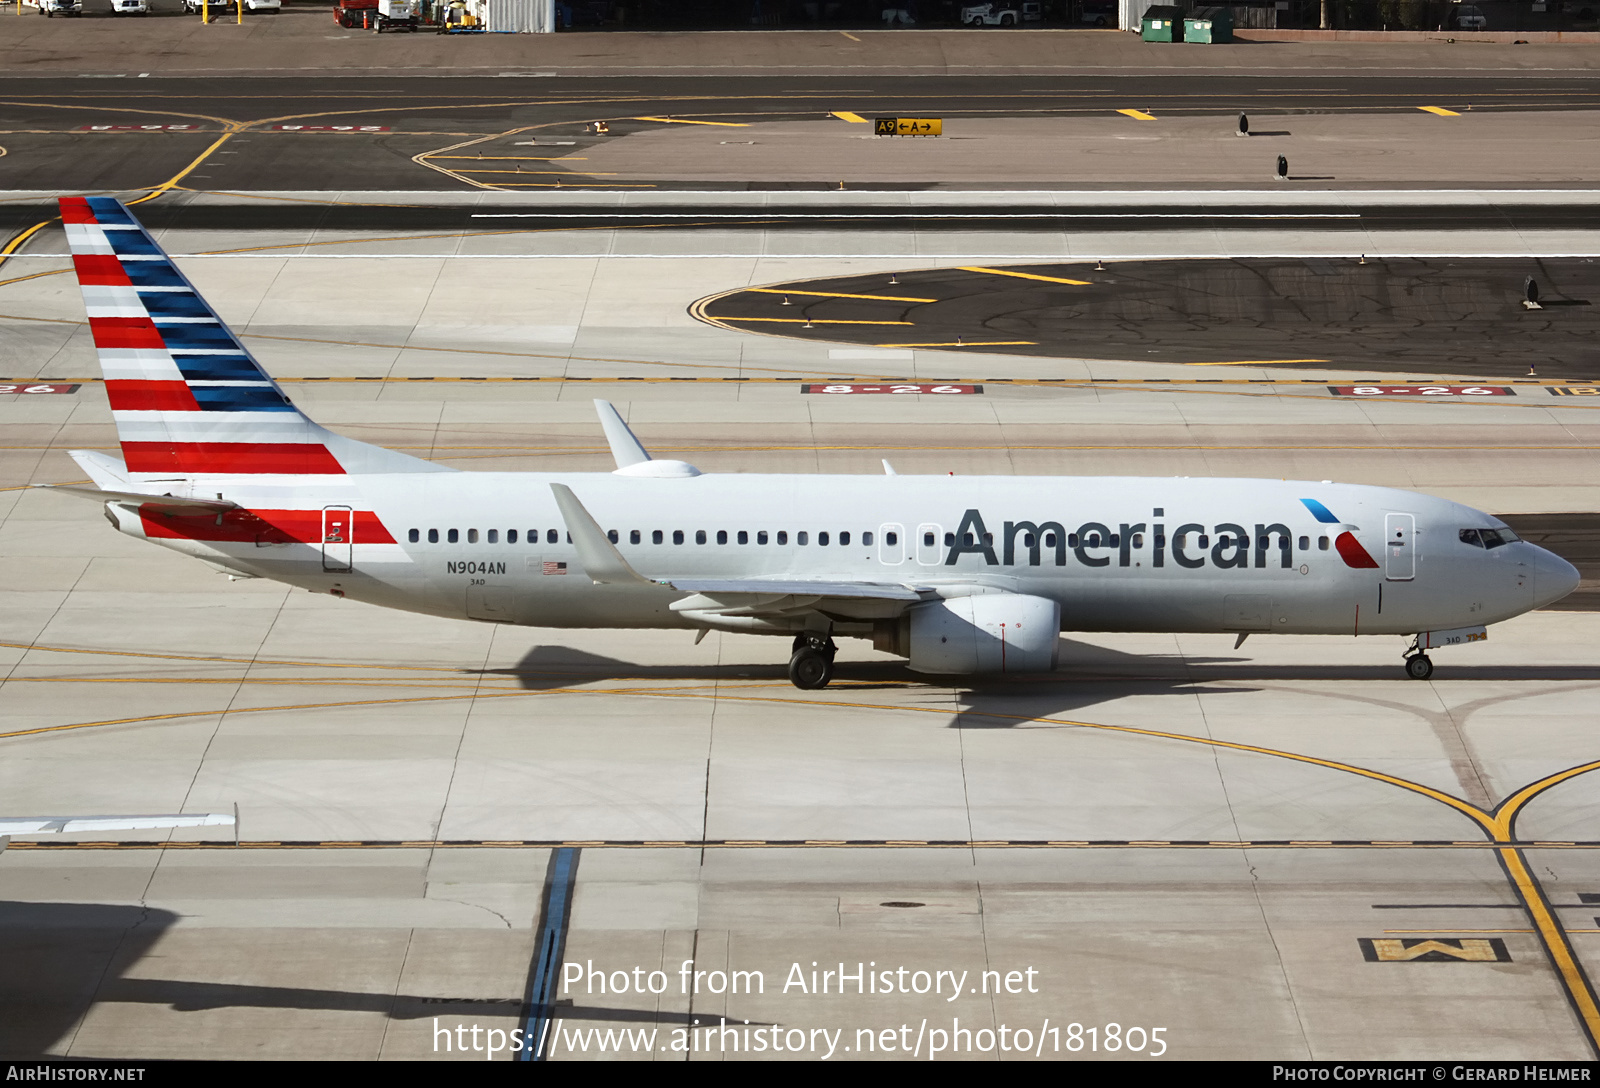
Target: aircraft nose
1553	577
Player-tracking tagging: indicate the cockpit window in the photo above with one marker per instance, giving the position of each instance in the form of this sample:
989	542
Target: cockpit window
1488	538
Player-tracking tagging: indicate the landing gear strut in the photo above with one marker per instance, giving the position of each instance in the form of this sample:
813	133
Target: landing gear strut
1418	667
811	666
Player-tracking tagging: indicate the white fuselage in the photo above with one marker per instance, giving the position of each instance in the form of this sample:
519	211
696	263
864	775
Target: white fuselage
1116	553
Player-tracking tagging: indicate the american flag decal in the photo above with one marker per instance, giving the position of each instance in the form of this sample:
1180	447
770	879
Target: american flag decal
554	568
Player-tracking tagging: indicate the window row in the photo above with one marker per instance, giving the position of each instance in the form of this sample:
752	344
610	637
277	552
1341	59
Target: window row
657	536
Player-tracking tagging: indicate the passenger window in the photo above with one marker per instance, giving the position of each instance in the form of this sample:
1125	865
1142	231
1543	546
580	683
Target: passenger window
949	540
744	537
453	536
966	539
988	538
1138	540
1181	541
511	536
761	537
550	537
927	540
801	538
656	537
866	539
677	536
722	536
1305	543
633	536
1322	543
492	537
1049	540
611	535
699	536
1092	540
472	536
783	537
1028	540
533	536
822	540
433	536
415	535
1161	540
1205	541
1115	540
892	538
1072	540
844	538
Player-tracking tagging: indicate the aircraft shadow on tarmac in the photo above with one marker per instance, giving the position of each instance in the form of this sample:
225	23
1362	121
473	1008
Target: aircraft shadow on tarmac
1087	676
62	958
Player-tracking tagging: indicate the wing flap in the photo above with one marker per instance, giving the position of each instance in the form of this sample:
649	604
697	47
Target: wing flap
765	587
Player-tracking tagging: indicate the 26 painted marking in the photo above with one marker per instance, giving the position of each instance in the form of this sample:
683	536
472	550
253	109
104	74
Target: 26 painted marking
50	387
329	128
138	128
1420	391
905	387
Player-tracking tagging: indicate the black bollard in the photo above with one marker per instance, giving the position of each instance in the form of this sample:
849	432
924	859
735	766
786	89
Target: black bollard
1283	168
1530	289
1244	125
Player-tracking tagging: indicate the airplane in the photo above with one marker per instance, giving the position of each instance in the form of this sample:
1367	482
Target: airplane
961	576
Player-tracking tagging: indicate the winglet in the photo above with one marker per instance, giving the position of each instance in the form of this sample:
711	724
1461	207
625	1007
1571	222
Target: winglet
627	449
888	469
600	558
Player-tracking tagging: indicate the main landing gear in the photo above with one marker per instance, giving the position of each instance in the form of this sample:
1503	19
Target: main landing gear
811	666
1418	667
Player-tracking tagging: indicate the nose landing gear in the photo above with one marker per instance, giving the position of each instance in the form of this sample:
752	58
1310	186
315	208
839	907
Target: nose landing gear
811	666
1418	666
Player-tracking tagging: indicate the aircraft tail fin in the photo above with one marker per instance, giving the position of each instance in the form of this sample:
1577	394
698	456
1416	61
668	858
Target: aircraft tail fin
188	398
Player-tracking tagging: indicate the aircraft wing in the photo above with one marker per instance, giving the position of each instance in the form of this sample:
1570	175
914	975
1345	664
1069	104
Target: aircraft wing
70	825
721	587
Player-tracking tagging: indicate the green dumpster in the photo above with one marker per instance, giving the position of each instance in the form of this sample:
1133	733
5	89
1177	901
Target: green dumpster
1209	26
1162	24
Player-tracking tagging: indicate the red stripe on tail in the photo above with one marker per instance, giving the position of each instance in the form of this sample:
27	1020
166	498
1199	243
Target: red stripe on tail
125	332
129	395
75	209
292	458
100	270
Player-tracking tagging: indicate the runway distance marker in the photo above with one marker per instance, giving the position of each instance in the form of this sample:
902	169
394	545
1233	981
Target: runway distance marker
138	128
328	128
51	387
921	387
1421	391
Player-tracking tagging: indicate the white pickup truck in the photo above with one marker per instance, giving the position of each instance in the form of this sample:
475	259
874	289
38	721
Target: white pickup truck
51	8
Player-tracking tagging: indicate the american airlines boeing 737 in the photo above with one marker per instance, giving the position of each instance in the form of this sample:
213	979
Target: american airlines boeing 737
959	575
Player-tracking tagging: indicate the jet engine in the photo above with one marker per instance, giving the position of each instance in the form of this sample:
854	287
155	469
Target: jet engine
988	632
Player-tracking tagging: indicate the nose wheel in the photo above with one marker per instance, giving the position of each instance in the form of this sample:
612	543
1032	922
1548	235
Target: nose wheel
811	666
1418	667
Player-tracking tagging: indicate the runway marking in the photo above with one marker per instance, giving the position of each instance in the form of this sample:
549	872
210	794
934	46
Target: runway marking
509	158
562	173
811	321
1259	362
836	294
846	115
851	36
1138	115
1025	275
962	344
686	121
788	844
1438	111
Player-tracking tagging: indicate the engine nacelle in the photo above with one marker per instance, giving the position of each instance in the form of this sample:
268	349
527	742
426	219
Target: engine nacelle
989	632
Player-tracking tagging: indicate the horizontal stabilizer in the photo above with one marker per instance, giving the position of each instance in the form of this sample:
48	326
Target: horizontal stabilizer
69	825
162	504
770	587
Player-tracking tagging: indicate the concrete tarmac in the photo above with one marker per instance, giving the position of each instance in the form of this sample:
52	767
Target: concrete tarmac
1231	824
